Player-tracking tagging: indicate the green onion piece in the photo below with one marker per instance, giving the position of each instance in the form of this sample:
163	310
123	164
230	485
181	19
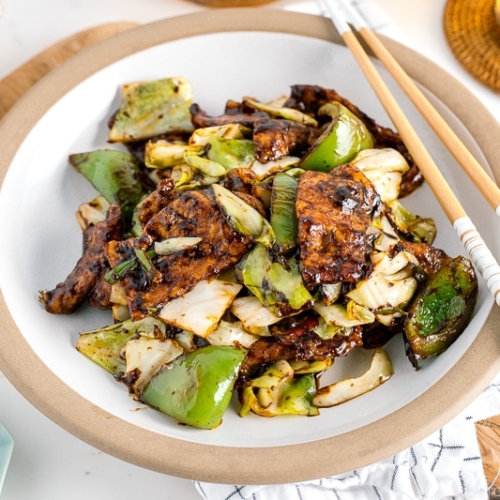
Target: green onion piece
144	259
244	218
172	245
119	271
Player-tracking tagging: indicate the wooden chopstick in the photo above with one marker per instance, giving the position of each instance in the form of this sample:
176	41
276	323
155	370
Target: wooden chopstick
476	247
464	157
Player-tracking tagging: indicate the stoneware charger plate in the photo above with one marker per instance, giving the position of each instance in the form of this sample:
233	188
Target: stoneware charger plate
226	54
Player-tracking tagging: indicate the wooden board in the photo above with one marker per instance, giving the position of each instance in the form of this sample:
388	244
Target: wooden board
14	85
488	435
22	79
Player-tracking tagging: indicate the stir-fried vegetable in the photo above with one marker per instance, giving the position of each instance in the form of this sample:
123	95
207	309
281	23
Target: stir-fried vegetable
116	175
384	168
279	392
244	218
380	371
245	252
441	309
152	108
279	287
283	217
345	136
230	153
200	310
105	345
281	111
197	388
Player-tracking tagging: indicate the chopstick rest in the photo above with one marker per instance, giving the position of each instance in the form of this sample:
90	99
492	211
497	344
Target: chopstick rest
476	247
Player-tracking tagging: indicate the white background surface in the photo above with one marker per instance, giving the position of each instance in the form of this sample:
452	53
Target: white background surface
48	463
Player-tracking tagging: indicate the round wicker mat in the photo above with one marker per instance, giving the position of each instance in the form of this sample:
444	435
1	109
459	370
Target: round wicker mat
473	33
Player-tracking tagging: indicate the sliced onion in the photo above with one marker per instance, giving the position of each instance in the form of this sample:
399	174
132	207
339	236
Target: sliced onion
145	357
335	314
200	310
263	170
172	245
252	313
92	212
379	372
232	334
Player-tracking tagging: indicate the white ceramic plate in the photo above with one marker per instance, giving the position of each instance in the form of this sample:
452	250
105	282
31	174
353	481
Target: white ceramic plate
40	194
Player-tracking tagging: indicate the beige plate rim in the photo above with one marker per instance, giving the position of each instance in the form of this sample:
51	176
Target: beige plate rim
338	454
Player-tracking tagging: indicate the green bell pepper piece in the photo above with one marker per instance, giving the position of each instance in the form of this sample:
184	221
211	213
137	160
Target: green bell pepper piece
344	137
442	309
197	388
115	174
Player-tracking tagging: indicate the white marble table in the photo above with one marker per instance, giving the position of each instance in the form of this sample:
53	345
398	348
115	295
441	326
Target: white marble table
48	463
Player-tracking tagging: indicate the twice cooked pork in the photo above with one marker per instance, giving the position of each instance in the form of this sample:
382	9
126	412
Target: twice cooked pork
90	268
193	213
334	211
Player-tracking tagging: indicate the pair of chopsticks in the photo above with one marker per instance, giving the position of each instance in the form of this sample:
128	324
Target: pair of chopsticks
341	14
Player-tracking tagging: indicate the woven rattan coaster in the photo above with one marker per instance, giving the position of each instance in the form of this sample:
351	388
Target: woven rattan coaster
473	33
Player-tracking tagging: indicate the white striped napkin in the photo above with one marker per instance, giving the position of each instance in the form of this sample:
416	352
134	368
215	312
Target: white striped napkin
445	466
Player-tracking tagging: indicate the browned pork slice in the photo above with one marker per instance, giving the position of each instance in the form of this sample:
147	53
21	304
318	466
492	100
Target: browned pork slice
334	211
247	117
274	139
100	296
157	200
90	268
193	213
